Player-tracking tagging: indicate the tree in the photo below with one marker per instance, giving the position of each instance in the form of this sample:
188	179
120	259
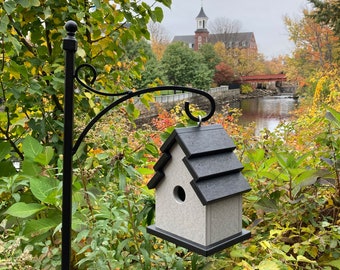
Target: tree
32	62
223	74
276	65
209	54
327	12
223	30
160	39
151	73
183	66
242	61
316	46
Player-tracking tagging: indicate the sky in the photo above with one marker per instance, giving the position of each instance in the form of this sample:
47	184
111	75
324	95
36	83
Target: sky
263	17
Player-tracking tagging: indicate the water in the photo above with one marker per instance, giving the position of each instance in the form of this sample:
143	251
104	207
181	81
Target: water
266	112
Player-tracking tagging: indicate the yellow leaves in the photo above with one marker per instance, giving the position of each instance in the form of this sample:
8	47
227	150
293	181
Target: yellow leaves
269	265
27	64
33	71
245	265
57	20
301	258
330	202
327	87
28	54
265	244
15	75
81	53
107	68
111	54
96	151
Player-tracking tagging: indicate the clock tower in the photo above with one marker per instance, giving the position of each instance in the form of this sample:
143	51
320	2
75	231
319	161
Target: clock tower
201	33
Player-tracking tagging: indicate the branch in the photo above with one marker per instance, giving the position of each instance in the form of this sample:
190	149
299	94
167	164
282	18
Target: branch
8	138
22	37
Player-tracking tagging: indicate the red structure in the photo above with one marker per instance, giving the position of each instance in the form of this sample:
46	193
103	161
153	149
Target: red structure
262	78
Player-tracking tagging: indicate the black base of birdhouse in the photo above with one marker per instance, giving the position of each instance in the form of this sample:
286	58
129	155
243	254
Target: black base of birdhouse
198	248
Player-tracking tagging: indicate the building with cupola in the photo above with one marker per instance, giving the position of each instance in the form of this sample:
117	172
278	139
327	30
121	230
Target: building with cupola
240	40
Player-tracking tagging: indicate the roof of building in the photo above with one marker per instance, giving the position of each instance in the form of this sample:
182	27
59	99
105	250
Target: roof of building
233	37
209	158
280	76
201	14
214	38
188	39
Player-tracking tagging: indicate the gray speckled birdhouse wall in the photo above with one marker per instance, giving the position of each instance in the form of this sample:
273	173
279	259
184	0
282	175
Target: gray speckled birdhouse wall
199	188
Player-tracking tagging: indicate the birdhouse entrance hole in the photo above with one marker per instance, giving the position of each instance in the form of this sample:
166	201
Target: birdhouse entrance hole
179	194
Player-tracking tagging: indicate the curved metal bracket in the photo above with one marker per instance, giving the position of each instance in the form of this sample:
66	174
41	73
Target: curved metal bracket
130	94
70	48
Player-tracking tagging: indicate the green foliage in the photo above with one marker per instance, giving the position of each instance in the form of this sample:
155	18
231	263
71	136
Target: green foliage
327	12
152	73
32	62
292	210
183	66
331	139
210	56
246	89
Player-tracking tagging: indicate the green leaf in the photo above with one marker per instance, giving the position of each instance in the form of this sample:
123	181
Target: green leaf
266	204
122	181
97	3
166	3
152	149
333	116
17	47
24	210
269	265
46	156
256	155
335	263
306	178
29	3
158	13
5	149
31	168
31	147
147	99
45	189
9	6
146	256
301	258
37	227
132	110
7	168
239	253
4	23
145	171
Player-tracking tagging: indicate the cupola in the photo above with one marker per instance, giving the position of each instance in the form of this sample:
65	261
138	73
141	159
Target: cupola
201	20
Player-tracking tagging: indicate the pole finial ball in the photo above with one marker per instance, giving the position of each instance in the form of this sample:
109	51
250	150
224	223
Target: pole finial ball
71	26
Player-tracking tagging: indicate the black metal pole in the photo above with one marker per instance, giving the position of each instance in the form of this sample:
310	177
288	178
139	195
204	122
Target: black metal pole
70	47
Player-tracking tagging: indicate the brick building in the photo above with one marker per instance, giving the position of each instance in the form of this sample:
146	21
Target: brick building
241	40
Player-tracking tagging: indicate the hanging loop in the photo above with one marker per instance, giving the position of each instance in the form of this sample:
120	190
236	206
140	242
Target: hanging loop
199	123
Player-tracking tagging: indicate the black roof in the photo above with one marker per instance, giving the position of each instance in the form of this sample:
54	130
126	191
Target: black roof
209	158
201	14
236	38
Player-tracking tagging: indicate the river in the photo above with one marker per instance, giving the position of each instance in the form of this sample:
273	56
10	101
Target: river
265	112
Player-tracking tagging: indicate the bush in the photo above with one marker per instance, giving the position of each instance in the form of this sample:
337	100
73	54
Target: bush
246	88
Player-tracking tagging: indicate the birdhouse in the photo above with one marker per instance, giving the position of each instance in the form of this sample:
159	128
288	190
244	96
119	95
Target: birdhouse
198	191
